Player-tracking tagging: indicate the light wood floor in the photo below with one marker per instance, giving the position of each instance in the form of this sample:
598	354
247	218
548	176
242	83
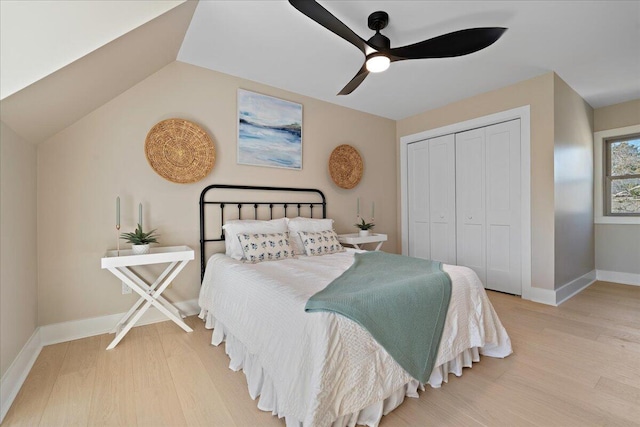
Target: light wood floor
577	364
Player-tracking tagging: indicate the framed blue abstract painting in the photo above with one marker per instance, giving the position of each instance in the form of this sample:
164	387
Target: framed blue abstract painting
269	131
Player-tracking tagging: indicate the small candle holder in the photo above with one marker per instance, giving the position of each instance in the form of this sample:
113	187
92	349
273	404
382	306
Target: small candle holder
118	238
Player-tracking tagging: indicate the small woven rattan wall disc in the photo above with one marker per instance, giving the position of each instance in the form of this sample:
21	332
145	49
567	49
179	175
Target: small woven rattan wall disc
345	166
180	151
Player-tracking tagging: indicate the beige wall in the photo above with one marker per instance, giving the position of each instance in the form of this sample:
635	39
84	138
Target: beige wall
82	169
617	245
538	93
616	116
573	177
18	255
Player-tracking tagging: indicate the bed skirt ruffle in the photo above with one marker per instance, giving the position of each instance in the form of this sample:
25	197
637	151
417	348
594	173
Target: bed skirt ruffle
261	385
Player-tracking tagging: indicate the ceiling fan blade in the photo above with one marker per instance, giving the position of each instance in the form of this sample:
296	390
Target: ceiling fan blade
355	82
458	43
323	17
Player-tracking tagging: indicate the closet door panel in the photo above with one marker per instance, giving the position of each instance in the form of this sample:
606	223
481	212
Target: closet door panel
421	247
470	201
442	206
471	249
418	203
503	207
499	260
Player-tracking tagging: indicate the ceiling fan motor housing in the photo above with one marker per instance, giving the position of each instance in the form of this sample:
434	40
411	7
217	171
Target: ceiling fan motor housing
380	42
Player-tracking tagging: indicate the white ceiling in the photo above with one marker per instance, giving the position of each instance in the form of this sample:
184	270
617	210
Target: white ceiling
593	45
50	104
38	38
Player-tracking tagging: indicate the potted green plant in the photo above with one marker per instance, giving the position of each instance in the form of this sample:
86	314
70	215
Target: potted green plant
364	227
140	240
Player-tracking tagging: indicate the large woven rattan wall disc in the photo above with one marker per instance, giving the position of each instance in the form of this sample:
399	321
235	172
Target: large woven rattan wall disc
180	151
345	166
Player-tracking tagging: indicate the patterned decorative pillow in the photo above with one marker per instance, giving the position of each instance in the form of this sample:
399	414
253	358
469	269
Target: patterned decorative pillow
299	224
258	247
233	228
320	242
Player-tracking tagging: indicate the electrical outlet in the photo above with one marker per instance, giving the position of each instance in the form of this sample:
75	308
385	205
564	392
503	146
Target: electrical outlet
125	289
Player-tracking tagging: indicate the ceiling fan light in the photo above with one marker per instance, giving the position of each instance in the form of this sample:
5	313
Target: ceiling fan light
378	63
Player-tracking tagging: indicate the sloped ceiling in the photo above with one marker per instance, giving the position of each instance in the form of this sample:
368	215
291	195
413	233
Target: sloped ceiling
38	38
60	99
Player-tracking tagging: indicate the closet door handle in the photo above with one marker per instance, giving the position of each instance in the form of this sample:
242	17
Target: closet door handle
470	217
441	215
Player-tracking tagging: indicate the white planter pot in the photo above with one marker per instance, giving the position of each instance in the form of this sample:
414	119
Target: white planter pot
140	249
363	233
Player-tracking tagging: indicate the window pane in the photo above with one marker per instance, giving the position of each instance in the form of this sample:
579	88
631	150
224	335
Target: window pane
625	157
625	196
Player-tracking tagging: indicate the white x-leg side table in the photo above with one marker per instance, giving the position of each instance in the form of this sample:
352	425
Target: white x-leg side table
355	240
150	294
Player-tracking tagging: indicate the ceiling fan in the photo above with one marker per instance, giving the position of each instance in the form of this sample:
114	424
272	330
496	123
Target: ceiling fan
377	50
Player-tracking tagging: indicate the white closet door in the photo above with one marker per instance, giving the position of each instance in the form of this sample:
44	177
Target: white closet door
502	147
470	201
442	199
418	200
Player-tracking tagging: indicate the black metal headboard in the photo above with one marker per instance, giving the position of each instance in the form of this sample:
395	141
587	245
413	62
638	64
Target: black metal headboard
239	204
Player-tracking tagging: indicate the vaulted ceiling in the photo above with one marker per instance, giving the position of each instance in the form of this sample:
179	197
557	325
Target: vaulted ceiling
593	45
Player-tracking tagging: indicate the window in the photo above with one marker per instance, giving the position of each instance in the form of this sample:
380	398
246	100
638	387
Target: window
622	176
601	181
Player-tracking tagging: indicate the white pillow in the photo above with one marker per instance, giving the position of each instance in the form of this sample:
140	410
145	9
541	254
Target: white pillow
320	242
240	226
299	224
258	247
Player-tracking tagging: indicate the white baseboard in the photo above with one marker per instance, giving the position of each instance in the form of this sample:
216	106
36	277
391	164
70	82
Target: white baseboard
55	333
543	296
16	373
77	329
570	289
619	277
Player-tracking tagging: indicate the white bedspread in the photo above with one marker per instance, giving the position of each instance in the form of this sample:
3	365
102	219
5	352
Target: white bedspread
324	366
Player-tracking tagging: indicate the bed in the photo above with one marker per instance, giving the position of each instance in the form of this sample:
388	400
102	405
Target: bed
323	369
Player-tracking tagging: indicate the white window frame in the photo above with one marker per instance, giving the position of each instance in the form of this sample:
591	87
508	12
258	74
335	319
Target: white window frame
598	188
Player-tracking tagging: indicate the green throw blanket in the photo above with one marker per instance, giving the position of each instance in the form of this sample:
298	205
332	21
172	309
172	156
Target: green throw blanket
401	301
